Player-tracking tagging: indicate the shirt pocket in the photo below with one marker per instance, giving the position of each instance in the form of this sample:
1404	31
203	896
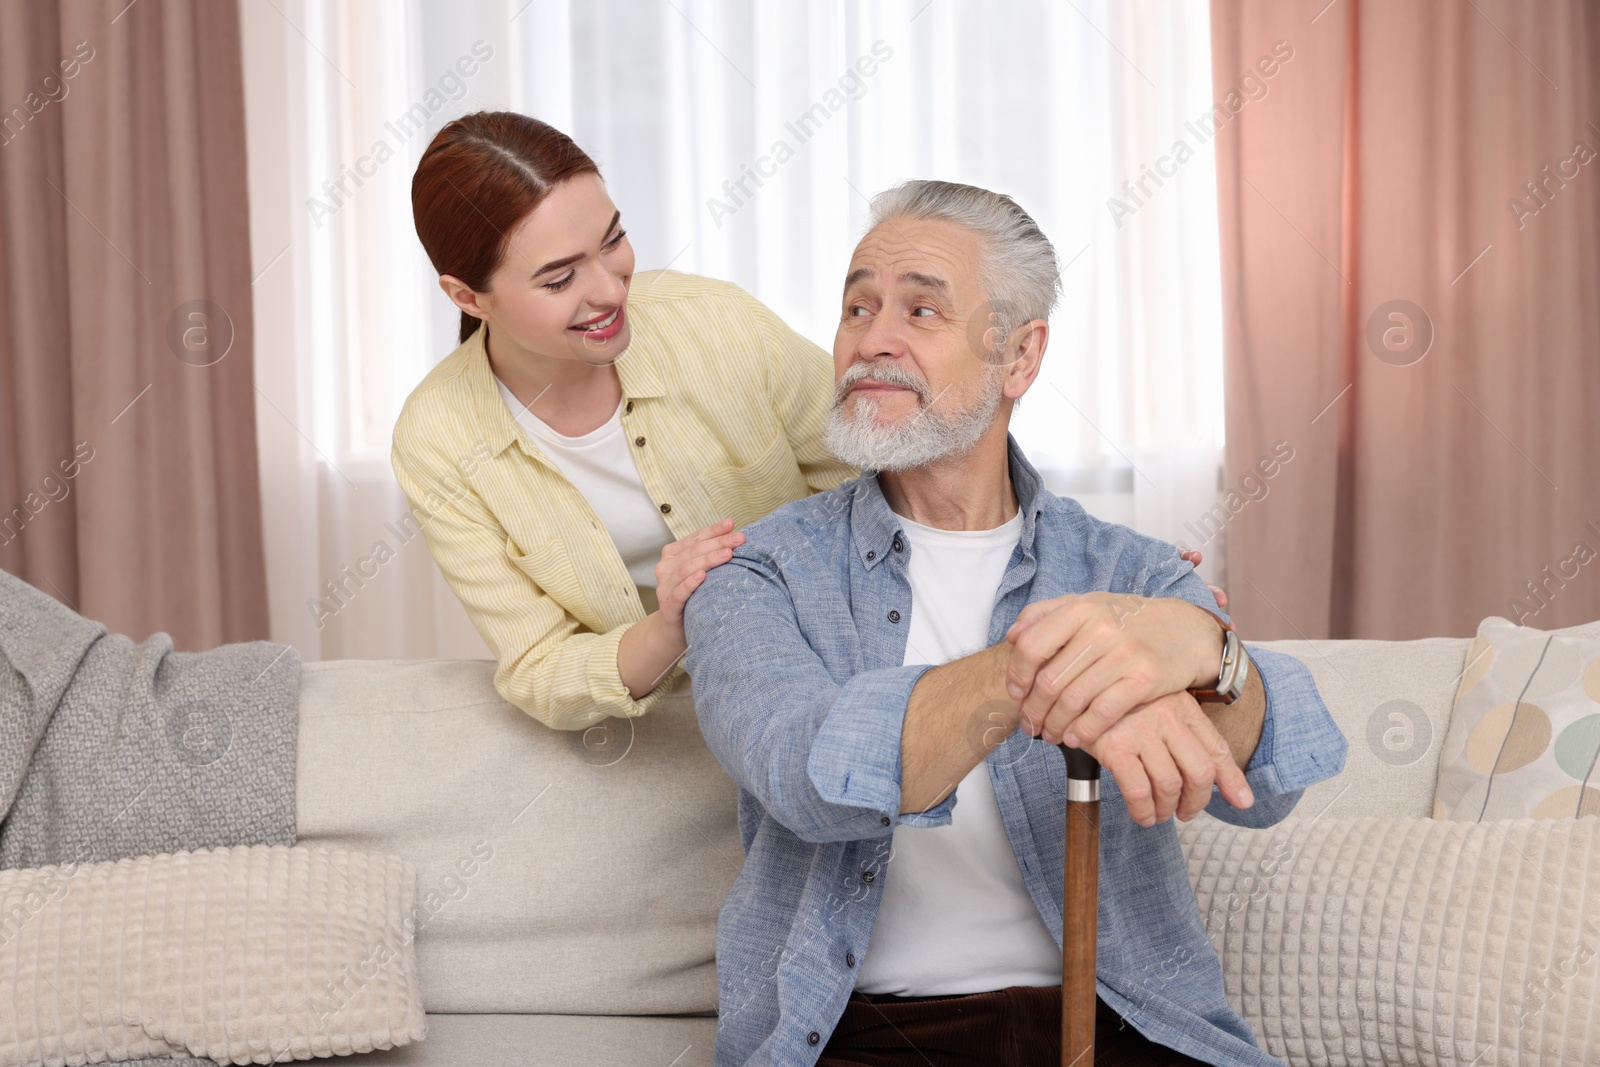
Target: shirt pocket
749	491
549	565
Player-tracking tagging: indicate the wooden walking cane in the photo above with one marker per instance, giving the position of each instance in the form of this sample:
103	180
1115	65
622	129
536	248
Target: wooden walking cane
1080	909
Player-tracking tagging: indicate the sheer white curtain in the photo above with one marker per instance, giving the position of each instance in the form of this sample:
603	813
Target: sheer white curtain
741	140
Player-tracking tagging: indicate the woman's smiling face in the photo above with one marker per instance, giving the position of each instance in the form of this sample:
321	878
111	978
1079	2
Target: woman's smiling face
562	284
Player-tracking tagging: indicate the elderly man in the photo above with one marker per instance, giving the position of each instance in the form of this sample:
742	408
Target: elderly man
886	669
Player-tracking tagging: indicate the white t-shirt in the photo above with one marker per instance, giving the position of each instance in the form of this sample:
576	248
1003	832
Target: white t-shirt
600	465
955	916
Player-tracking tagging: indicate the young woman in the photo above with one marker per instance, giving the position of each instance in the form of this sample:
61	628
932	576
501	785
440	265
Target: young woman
591	448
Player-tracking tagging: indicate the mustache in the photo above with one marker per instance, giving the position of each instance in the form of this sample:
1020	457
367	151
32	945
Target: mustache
888	373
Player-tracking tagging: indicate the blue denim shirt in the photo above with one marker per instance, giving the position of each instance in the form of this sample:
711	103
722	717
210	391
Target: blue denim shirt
795	653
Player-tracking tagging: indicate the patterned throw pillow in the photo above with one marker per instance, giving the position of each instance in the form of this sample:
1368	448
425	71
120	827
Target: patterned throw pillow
1525	730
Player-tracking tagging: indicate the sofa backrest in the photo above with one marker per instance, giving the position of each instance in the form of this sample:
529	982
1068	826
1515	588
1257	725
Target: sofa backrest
1393	700
558	872
582	872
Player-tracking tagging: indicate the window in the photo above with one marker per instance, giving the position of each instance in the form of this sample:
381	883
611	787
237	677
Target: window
743	140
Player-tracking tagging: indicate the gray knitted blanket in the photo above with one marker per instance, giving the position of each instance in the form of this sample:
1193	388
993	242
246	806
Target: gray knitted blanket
110	748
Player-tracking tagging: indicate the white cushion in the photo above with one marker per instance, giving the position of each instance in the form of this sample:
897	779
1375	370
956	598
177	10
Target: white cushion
251	954
1407	941
558	872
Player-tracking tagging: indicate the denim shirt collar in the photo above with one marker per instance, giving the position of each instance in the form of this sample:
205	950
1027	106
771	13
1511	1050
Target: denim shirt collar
875	528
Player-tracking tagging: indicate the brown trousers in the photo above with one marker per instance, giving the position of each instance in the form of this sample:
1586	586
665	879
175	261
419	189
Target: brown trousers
1019	1026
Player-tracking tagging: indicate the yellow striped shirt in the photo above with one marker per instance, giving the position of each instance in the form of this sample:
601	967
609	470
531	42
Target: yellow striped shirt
730	403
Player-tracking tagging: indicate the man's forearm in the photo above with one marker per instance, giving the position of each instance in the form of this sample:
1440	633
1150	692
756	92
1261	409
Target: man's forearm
1240	723
958	713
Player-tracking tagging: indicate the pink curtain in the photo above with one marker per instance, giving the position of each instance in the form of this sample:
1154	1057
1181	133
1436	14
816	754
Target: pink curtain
128	480
1410	223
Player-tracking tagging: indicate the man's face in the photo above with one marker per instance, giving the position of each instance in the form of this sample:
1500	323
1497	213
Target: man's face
912	381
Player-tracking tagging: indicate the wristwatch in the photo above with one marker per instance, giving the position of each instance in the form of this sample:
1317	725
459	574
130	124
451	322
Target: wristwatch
1233	672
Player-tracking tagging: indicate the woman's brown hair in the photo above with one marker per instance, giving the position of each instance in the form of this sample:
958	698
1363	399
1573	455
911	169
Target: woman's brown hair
476	182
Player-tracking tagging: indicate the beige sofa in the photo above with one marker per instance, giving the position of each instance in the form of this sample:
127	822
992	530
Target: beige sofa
569	882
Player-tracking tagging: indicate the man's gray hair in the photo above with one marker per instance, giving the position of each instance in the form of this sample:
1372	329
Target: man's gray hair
1019	271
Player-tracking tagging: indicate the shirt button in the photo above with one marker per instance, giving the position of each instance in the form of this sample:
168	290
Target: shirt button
849	959
894	616
813	1038
629	407
872	555
639	441
884	819
666	508
898	544
869	876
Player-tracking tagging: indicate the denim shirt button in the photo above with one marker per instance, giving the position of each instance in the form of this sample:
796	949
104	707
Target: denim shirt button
884	819
898	544
894	616
849	959
872	555
869	876
813	1038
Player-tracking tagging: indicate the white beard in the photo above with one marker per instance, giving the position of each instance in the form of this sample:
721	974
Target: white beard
861	441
